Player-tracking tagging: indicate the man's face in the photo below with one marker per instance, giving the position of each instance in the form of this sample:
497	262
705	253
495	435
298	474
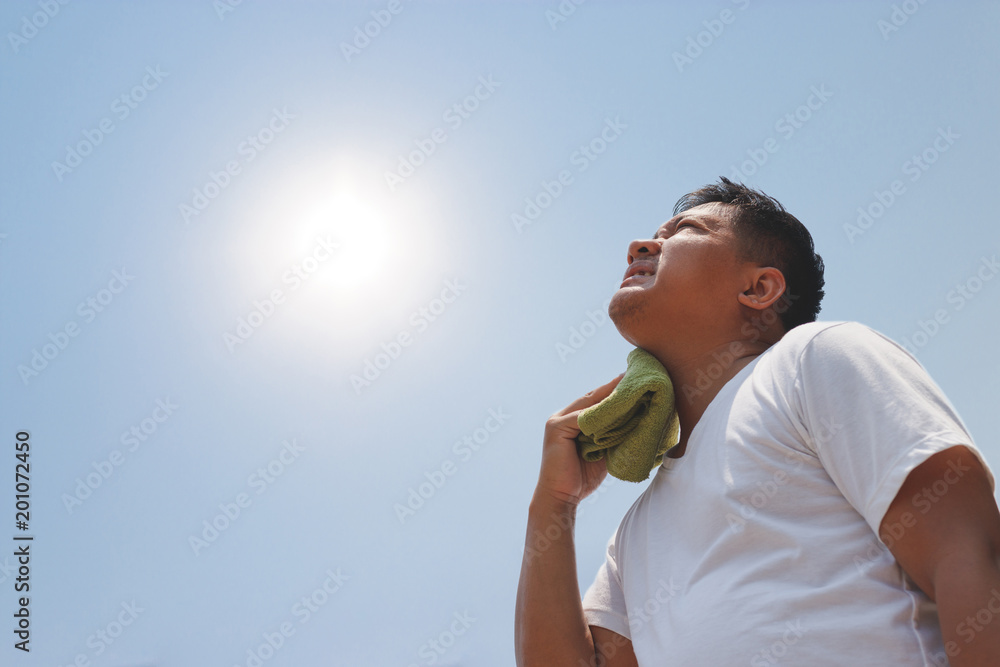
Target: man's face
695	276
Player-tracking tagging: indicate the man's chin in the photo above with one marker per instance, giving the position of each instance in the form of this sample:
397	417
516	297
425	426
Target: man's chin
624	311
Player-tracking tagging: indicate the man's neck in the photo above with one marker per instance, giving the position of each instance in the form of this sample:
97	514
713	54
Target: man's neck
698	379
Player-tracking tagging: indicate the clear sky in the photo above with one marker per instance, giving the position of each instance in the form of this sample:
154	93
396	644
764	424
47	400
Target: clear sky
266	279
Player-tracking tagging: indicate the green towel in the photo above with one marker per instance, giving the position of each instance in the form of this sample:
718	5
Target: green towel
634	426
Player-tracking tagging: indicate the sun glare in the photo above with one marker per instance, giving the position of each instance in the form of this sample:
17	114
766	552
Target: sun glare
364	248
353	261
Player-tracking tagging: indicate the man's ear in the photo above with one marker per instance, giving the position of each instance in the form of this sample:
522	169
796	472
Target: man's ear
766	286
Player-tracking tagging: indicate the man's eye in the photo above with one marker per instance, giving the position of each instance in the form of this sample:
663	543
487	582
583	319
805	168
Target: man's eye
663	235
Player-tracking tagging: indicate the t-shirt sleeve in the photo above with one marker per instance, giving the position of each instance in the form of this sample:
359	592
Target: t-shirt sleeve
604	601
872	414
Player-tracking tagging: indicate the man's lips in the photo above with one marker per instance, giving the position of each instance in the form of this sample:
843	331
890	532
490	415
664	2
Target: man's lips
636	279
639	268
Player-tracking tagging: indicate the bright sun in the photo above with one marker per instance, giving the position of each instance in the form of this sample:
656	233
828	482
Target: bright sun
352	261
360	233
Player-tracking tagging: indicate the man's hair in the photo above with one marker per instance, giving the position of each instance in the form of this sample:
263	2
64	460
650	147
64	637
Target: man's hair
771	236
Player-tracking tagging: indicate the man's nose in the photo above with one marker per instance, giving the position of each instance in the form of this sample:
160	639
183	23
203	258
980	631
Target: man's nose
639	248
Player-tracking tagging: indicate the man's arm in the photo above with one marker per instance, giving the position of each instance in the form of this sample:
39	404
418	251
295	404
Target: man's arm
550	629
943	527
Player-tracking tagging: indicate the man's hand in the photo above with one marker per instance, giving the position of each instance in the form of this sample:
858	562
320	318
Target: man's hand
565	476
550	629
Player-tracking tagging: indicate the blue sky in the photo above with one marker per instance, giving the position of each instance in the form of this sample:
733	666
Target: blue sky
201	247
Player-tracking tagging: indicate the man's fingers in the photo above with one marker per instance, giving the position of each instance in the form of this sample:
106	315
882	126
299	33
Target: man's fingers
591	398
557	423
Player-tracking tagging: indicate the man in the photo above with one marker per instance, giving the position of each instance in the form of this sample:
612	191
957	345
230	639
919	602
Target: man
825	505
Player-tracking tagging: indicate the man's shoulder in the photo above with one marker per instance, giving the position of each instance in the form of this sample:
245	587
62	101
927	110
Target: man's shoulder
839	346
804	333
830	335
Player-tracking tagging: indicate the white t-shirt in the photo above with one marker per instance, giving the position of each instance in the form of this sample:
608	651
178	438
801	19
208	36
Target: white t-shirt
759	545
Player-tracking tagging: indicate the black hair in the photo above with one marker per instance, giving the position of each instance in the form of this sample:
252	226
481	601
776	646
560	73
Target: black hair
771	236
